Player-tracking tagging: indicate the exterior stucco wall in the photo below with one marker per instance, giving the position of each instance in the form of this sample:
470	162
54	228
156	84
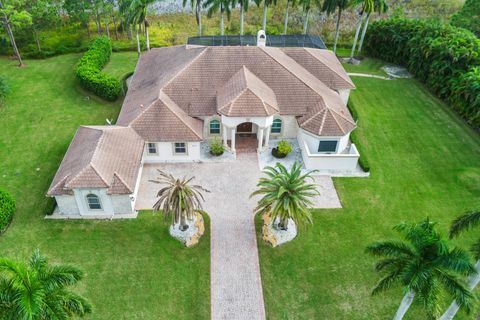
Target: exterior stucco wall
122	203
67	204
312	141
344	95
105	200
165	153
289	128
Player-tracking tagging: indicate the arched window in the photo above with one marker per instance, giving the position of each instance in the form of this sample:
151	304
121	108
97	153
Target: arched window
93	202
276	126
214	127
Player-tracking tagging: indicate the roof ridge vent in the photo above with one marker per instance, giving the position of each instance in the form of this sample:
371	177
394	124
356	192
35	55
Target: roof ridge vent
261	38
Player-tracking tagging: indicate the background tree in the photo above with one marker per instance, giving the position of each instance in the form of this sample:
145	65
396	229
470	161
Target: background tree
44	14
286	195
197	6
464	223
307	7
293	3
423	264
266	4
37	290
178	199
222	6
468	17
379	6
137	15
243	4
79	11
12	17
366	6
330	6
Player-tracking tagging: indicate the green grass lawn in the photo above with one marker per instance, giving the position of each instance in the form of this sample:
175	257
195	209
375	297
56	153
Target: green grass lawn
134	269
425	162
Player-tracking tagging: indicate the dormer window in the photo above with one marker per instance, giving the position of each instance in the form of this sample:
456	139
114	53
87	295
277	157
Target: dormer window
276	126
93	202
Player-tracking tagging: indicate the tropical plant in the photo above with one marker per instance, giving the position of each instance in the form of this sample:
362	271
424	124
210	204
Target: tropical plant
197	6
366	7
178	199
243	8
425	265
469	220
284	147
468	17
222	6
379	6
36	290
444	57
216	146
266	4
293	3
137	14
286	195
7	209
329	6
306	7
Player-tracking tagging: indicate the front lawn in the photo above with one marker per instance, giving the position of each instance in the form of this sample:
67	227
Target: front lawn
424	162
134	269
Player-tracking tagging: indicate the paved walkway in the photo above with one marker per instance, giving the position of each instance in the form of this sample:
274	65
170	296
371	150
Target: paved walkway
368	75
236	287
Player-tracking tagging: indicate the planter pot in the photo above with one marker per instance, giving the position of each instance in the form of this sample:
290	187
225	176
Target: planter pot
216	154
278	155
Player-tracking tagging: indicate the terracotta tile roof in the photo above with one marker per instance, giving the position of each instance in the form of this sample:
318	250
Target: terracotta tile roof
246	95
100	157
323	64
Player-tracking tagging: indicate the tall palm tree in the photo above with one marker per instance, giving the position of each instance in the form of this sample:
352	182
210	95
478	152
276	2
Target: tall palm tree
178	199
36	290
464	223
366	7
306	6
380	6
197	6
137	15
286	195
330	6
222	6
266	4
285	23
425	265
243	8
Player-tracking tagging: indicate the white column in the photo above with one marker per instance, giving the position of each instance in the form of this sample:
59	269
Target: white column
225	136
267	136
260	139
233	139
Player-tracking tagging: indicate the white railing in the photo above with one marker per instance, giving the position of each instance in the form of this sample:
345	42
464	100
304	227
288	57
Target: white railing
330	161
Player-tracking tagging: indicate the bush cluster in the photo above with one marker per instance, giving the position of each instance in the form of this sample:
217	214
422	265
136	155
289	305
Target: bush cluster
282	150
4	88
363	160
216	147
7	208
89	70
444	57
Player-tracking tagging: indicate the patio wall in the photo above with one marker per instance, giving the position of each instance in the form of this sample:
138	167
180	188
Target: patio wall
330	162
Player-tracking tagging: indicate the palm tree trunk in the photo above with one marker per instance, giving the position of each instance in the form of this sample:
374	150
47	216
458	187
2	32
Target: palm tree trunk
146	34
264	21
115	25
99	24
183	223
35	35
285	24
406	303
107	32
357	32
305	22
222	24
198	15
473	281
8	29
241	17
129	32
139	50
337	31
364	31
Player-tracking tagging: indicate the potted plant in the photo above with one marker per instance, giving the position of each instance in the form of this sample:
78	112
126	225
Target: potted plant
282	150
216	147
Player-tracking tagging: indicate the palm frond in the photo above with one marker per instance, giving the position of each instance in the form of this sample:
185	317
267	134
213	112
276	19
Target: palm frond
465	222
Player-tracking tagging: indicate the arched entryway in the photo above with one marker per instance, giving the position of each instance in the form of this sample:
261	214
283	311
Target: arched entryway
246	138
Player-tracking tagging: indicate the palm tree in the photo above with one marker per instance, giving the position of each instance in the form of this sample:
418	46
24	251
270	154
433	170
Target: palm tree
306	6
463	223
286	195
425	265
222	6
178	199
285	24
330	6
36	290
367	6
137	15
380	6
197	6
243	8
266	3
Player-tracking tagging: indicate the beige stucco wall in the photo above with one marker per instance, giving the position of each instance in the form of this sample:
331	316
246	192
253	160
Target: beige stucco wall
344	95
165	153
67	204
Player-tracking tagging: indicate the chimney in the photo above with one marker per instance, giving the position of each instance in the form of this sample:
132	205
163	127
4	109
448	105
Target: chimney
261	38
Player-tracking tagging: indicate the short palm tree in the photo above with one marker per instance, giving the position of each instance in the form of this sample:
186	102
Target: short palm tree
464	223
38	291
425	265
178	199
286	195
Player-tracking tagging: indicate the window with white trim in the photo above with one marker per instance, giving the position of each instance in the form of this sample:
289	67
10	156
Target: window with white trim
214	127
276	126
180	148
327	146
93	202
152	148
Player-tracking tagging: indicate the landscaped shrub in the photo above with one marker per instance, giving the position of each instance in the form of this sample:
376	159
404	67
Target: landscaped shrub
7	208
216	147
4	88
444	57
468	17
89	70
363	160
282	150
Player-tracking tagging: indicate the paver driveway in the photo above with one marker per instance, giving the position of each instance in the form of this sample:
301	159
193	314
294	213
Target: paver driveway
236	288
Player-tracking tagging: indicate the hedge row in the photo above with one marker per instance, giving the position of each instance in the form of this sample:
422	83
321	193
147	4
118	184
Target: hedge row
444	57
89	70
7	208
363	160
